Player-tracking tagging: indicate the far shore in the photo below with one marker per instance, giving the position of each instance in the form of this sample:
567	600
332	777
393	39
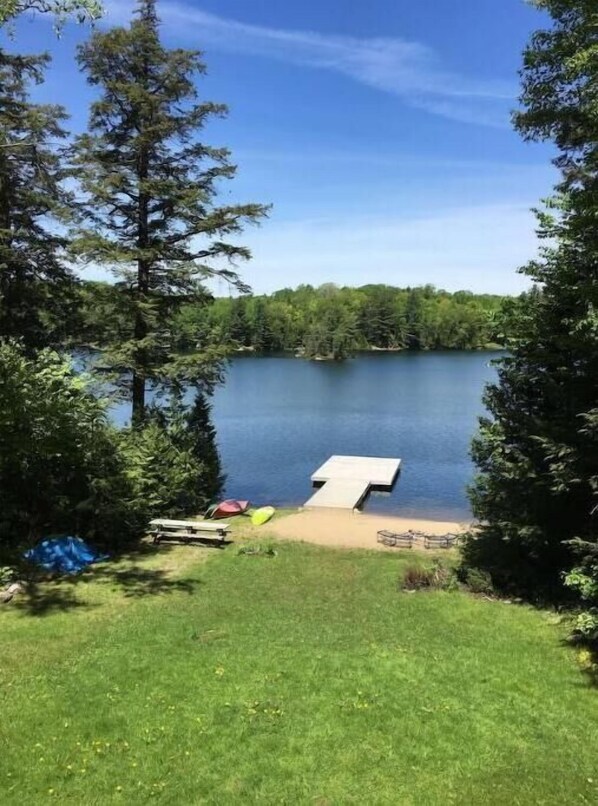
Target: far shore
344	529
292	353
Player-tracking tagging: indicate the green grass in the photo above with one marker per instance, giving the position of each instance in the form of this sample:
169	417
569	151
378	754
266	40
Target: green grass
308	677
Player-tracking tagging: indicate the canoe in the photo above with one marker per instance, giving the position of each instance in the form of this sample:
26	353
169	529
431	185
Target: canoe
261	516
227	509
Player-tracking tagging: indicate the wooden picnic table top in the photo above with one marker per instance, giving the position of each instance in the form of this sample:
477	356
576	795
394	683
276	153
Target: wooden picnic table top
204	526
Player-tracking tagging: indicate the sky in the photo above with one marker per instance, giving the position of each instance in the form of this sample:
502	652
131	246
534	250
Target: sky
378	131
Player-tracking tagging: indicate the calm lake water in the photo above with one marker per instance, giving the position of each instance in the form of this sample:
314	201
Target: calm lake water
279	419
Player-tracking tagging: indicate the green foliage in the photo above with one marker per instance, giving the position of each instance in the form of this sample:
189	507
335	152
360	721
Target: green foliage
416	578
201	437
64	469
172	463
82	10
583	579
149	211
60	469
332	322
478	581
537	453
437	576
35	284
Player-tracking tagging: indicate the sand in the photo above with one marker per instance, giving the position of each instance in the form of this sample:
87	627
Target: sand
344	529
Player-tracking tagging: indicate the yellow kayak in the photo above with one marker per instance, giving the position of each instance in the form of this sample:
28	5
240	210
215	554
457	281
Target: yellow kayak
261	516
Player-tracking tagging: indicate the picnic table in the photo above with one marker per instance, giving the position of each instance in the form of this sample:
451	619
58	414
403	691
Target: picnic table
186	531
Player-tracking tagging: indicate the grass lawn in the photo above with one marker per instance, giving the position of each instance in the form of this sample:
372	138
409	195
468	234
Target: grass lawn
303	678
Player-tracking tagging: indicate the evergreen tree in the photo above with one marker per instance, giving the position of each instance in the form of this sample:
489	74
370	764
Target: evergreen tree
33	277
202	436
538	452
150	189
259	325
414	319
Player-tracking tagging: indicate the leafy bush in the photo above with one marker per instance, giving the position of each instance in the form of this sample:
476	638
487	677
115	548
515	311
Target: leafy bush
444	576
416	578
478	581
65	469
438	576
172	462
584	581
60	463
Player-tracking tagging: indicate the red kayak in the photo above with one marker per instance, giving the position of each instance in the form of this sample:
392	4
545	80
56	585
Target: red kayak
227	509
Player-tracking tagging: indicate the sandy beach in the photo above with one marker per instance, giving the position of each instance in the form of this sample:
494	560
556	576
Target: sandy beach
344	529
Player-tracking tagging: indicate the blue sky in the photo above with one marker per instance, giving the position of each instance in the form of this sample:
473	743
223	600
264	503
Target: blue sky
378	130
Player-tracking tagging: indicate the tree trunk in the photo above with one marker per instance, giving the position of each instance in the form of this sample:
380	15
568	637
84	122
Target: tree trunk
143	283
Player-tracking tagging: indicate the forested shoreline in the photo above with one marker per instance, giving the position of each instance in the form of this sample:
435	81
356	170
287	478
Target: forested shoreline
324	322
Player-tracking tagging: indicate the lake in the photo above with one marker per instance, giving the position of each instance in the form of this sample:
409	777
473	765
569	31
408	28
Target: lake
279	419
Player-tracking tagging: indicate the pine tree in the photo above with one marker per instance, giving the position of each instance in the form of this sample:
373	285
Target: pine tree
150	189
202	436
34	281
538	452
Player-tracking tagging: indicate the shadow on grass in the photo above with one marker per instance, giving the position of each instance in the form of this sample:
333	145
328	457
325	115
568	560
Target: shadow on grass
124	573
44	598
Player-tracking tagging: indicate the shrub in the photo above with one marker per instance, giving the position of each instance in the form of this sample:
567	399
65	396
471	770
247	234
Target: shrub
65	469
444	576
439	576
60	464
478	581
172	462
416	578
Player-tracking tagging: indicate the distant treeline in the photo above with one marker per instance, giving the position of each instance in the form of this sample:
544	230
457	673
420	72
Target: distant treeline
327	321
333	322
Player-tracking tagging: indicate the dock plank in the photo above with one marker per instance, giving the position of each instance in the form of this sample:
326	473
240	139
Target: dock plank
378	471
339	494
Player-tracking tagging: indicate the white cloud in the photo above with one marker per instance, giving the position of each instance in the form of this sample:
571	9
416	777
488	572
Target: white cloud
409	70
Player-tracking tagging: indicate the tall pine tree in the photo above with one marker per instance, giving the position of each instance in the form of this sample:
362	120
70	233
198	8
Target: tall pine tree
33	276
150	189
537	454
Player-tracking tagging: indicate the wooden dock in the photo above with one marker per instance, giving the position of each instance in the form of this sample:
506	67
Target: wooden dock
347	480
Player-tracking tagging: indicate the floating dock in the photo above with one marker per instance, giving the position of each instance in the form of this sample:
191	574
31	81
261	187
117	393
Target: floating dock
347	480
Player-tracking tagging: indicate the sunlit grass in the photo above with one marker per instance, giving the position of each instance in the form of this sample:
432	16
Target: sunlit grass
305	677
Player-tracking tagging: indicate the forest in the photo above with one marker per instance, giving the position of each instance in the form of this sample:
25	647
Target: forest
324	322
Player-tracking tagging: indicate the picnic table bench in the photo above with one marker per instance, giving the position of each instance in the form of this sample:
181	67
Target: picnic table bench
186	531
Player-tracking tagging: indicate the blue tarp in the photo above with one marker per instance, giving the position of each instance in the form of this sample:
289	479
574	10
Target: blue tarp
69	555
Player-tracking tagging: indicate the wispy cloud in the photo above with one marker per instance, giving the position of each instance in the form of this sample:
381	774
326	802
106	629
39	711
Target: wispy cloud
410	70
